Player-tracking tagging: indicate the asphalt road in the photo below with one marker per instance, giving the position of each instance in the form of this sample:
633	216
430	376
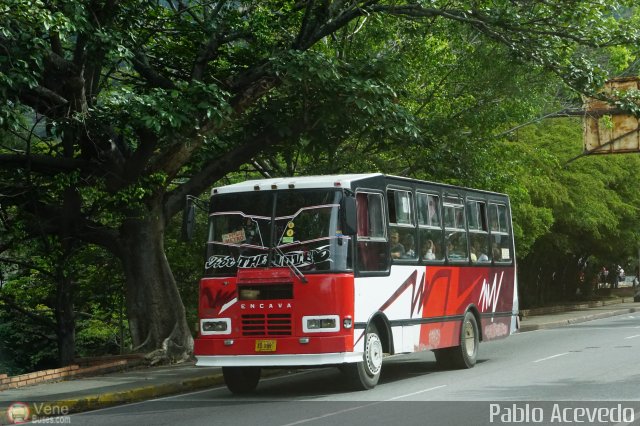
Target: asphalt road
589	372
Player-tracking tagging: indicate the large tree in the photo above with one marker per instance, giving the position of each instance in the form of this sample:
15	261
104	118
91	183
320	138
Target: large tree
135	104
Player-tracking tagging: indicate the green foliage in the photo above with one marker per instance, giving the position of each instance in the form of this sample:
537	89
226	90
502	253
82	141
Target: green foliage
25	346
97	337
164	112
30	284
572	214
327	105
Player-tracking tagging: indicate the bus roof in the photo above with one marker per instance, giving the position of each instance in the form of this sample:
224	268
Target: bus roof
349	180
299	182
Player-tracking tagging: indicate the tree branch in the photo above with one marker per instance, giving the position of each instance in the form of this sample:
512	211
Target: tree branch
27	265
155	79
45	164
332	25
217	169
40	319
43	100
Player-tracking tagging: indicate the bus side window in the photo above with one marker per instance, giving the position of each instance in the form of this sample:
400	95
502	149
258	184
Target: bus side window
430	227
478	232
399	204
372	241
500	233
455	231
401	225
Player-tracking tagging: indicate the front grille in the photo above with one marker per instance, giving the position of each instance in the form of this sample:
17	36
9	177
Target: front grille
266	325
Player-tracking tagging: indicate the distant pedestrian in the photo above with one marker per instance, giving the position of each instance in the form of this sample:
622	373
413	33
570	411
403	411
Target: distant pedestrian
604	276
621	275
613	276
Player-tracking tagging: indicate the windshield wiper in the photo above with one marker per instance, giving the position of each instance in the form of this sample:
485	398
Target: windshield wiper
297	272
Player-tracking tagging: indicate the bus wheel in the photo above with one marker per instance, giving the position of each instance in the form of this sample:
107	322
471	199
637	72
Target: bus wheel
365	374
241	380
464	356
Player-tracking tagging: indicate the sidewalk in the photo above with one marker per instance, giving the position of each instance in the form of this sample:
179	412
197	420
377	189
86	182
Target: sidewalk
90	393
551	318
140	384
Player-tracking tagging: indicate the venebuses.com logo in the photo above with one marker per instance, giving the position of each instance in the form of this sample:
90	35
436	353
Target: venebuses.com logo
18	412
37	412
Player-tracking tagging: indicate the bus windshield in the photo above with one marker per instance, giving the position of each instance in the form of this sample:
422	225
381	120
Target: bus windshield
302	225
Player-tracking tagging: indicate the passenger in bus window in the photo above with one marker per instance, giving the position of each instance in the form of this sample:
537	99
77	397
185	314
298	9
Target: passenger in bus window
428	251
482	257
477	253
450	249
495	250
397	249
409	245
457	246
473	255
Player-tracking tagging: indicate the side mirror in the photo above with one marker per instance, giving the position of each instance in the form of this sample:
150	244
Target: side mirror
349	226
188	219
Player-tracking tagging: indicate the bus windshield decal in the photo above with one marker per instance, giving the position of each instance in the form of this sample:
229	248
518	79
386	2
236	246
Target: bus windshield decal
234	237
298	258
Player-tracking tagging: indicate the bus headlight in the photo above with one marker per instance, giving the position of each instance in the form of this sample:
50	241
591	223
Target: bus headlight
215	326
321	324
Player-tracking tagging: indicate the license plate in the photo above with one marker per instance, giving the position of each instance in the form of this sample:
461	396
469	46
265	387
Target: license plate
265	345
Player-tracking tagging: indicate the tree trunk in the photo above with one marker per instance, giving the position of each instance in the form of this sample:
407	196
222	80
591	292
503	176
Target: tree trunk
157	320
64	307
65	321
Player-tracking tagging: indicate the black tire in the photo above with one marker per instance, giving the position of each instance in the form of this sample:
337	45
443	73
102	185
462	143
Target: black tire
365	374
241	380
465	355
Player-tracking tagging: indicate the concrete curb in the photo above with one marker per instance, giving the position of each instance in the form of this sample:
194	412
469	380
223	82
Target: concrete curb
94	402
109	399
575	320
559	309
143	393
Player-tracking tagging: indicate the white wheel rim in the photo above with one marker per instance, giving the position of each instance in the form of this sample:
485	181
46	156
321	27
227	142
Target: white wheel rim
469	338
373	354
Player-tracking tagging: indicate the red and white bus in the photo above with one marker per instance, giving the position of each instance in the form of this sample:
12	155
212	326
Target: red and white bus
344	269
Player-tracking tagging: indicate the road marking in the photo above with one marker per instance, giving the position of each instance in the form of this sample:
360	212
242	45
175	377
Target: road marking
416	393
551	357
335	413
346	410
577	326
632	337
